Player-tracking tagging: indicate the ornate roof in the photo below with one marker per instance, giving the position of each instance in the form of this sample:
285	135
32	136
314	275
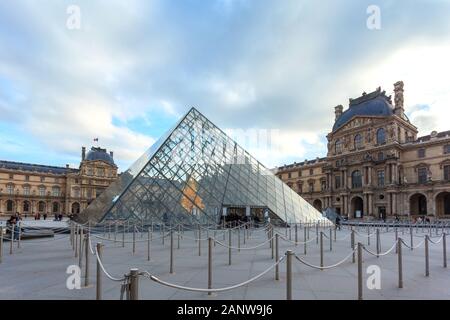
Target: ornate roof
35	167
99	154
373	104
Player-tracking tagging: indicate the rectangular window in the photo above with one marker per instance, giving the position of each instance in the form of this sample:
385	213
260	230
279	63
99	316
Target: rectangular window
311	187
27	178
101	172
42	179
422	175
324	185
41	191
55	192
447	149
289	175
337	182
26	190
421	153
311	172
10	189
447	173
381	178
11	176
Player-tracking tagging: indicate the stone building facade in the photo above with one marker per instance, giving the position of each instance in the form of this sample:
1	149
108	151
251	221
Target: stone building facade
30	189
376	166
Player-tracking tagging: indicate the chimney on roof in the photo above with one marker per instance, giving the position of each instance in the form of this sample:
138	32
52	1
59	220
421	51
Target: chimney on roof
338	111
83	153
111	154
398	99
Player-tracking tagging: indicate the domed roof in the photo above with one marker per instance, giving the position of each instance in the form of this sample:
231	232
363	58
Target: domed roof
372	104
99	154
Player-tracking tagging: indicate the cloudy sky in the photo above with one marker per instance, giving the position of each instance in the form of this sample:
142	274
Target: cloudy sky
134	67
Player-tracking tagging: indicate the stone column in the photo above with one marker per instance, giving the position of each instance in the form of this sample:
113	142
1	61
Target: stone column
370	204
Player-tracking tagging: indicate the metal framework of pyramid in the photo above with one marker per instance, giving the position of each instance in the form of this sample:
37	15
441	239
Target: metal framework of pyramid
194	174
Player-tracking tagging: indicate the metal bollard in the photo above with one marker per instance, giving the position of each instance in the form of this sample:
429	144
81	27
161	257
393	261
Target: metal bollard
115	232
427	257
368	235
444	248
134	239
86	258
360	271
321	250
317	233
411	237
210	245
335	234
109	230
352	242
296	234
171	251
134	284
396	238
199	246
272	245
229	247
80	247
290	233
277	257
289	255
400	264
163	233
148	243
99	273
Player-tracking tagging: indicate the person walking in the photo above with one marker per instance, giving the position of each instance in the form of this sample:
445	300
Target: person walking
338	222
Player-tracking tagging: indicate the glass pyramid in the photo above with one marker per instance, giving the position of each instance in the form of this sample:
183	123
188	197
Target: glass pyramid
195	173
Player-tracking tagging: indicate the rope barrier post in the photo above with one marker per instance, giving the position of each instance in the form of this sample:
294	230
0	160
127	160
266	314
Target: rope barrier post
19	223
309	227
80	247
360	272
352	240
115	231
411	238
427	257
99	272
229	247
1	244
171	251
400	264
178	239
378	243
134	239
296	234
210	241
277	257
75	240
335	239
396	238
148	243
290	233
289	255
71	234
199	243
304	240
11	242
321	250
163	233
123	236
239	239
272	245
134	284
109	230
317	233
444	248
86	258
368	235
331	240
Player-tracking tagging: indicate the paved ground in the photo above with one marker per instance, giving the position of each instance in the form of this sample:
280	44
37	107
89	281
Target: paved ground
38	269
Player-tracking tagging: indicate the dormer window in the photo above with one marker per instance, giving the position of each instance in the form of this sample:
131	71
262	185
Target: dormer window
421	153
358	141
381	136
338	146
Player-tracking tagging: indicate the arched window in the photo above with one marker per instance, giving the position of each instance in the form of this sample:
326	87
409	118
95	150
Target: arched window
356	179
9	206
41	206
338	146
75	207
381	136
55	207
358	141
26	206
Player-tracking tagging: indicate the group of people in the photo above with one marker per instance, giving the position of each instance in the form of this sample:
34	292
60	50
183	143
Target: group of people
13	225
58	216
